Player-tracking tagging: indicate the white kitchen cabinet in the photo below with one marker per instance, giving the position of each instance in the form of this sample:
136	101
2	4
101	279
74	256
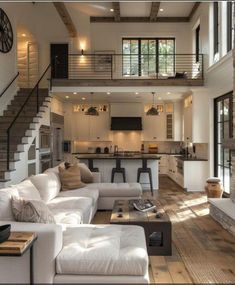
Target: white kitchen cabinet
80	126
154	128
196	122
99	127
163	164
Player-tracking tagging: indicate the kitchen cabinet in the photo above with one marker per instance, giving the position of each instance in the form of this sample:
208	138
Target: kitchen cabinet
99	127
163	164
80	127
195	118
154	128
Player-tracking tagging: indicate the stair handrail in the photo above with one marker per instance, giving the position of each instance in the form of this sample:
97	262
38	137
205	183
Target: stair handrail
36	87
9	84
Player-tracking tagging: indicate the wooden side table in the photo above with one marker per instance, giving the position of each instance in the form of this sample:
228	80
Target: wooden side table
17	244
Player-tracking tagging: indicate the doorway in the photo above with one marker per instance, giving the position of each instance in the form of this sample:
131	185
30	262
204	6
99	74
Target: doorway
59	60
223	129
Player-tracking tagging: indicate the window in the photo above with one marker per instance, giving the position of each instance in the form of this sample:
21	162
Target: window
229	25
197	42
223	130
216	27
148	57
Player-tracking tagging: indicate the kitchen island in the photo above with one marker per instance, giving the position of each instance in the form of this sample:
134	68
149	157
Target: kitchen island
131	163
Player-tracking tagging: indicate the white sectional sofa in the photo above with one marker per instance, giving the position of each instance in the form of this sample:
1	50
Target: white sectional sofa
72	250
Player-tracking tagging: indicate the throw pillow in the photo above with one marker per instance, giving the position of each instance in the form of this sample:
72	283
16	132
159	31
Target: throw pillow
27	190
32	211
48	185
86	174
70	178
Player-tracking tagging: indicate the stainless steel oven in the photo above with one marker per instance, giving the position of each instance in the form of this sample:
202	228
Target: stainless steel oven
45	161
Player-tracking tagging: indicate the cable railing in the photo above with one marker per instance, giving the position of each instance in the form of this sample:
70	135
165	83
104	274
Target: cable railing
9	84
31	105
131	66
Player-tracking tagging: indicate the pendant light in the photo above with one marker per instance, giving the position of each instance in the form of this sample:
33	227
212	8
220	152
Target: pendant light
152	111
91	111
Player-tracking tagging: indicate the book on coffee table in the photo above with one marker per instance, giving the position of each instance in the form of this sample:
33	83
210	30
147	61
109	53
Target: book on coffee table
143	205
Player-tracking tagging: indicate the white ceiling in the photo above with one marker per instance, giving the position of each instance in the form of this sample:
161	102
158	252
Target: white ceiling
119	97
133	9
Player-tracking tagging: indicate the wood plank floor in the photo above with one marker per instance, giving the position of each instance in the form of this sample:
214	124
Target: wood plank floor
203	252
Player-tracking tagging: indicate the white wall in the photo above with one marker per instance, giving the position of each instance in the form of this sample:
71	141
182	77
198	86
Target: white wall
108	36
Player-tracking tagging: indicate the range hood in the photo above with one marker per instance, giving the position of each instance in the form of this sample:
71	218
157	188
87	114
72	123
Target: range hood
126	123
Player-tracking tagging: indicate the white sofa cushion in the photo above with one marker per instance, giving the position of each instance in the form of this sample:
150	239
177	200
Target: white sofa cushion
6	195
103	250
27	190
68	217
48	185
117	189
82	192
82	205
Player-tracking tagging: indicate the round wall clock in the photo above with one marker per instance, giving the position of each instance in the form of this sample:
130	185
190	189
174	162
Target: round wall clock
6	33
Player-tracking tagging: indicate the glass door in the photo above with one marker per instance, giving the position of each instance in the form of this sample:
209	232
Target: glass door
223	130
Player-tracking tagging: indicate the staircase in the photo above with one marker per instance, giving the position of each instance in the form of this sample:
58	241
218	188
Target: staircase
23	130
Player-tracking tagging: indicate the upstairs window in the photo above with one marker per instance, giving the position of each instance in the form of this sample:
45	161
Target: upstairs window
229	26
148	57
216	30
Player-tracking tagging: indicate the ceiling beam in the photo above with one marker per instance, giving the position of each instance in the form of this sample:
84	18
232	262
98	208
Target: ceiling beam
154	11
139	19
116	8
194	9
65	17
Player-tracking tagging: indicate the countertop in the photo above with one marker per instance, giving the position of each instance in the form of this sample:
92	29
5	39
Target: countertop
111	156
183	158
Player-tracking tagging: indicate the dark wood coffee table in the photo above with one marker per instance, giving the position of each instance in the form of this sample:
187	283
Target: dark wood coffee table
157	229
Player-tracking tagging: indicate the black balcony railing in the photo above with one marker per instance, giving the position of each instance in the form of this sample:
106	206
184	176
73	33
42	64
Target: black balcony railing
131	66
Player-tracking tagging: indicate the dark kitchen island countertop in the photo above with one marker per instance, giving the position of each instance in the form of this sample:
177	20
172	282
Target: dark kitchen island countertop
111	156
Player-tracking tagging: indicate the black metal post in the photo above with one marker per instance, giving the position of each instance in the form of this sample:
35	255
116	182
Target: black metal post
37	90
8	149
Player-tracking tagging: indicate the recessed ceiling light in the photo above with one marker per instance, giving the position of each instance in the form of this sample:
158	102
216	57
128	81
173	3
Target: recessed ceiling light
136	93
83	98
111	10
74	93
67	97
161	10
168	93
108	93
23	35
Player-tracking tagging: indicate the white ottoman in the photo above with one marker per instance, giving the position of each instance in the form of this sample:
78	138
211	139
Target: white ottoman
103	254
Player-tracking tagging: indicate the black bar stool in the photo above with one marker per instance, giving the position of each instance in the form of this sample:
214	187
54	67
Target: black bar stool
145	169
118	169
91	167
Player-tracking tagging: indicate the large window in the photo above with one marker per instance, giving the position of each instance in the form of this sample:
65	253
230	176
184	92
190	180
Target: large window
223	130
229	25
216	27
148	57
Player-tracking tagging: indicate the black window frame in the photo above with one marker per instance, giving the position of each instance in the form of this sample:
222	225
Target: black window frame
157	39
216	27
197	43
229	96
229	25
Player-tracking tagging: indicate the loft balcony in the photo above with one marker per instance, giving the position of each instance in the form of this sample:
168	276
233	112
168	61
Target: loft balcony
128	70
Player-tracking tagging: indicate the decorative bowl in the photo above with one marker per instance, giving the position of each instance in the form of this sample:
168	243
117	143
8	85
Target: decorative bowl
5	232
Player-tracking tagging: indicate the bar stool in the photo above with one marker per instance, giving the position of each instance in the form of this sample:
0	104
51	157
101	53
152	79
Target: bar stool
91	167
145	169
118	169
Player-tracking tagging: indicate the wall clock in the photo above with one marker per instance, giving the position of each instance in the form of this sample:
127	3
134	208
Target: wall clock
6	33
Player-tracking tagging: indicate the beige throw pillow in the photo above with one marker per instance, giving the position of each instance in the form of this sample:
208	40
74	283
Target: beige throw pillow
32	211
86	174
70	178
